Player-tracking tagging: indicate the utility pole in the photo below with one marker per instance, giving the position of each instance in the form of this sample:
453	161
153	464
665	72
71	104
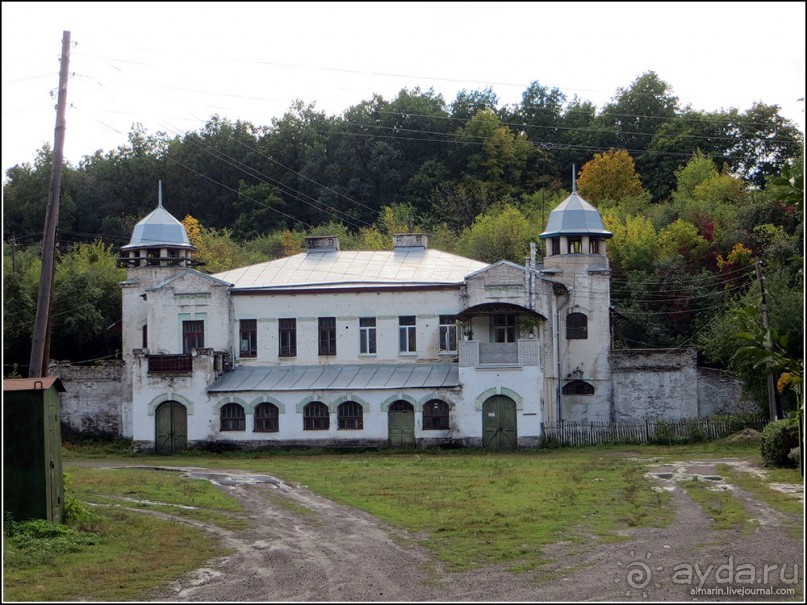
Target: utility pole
40	344
774	412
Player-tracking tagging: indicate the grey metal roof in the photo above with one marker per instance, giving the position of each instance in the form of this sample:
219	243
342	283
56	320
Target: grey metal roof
337	377
157	229
354	268
574	216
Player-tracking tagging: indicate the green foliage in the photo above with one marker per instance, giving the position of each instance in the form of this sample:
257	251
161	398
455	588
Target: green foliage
414	162
778	439
38	541
609	176
501	233
86	301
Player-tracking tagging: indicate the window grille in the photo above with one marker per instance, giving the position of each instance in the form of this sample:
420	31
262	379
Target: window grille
576	326
266	418
435	415
350	416
316	417
232	418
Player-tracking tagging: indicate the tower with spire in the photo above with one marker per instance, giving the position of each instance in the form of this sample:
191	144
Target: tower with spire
575	240
159	250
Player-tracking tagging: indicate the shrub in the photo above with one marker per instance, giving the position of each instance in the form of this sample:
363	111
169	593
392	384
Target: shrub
778	438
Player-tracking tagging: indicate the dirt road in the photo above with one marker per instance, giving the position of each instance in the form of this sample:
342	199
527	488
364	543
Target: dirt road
305	548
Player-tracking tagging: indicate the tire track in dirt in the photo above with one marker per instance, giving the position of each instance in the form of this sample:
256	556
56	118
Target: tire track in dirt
303	547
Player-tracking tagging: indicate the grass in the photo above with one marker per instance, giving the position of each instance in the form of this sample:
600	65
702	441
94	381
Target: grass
470	507
721	506
124	555
791	507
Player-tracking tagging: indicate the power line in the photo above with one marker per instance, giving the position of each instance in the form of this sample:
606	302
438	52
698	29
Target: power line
266	179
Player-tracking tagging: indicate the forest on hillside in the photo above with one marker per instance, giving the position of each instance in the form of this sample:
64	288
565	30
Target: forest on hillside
694	200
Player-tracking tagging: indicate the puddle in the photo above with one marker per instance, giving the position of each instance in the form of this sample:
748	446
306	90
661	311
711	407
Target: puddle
233	478
682	476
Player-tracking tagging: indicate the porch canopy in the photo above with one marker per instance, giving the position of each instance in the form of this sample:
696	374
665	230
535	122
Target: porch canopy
498	308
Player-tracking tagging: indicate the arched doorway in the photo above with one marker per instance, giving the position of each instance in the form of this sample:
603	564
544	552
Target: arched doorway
401	424
171	423
499	430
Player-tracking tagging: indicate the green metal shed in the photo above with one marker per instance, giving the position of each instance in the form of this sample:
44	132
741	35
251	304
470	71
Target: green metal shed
33	485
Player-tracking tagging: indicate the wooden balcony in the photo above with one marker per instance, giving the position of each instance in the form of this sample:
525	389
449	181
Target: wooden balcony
170	364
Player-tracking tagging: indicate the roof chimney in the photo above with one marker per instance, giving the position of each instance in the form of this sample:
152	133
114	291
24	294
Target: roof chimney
322	243
411	241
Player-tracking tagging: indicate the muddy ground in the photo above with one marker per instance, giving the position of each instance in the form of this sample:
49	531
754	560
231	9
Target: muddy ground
315	550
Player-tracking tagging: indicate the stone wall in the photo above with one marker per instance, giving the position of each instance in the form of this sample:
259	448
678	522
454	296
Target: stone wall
721	393
94	396
668	384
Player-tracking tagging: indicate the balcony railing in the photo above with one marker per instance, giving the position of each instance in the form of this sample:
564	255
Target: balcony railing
475	354
170	364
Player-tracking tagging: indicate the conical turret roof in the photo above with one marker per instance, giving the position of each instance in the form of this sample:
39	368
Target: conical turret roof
575	216
159	230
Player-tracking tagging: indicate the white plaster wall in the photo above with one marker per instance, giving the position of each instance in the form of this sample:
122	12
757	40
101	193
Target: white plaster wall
347	307
523	385
502	282
204	412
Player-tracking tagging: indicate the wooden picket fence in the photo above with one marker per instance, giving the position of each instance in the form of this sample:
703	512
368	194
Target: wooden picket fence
687	430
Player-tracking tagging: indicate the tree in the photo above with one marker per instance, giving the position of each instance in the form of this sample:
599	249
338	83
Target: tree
609	176
501	233
468	103
216	247
259	209
640	110
541	112
681	240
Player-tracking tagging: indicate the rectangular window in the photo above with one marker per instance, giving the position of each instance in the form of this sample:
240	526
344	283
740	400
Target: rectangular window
193	335
249	337
575	245
555	245
407	328
504	328
327	336
145	336
367	336
593	246
287	330
448	333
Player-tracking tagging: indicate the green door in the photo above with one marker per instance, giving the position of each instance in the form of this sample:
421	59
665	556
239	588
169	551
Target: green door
499	423
172	428
401	424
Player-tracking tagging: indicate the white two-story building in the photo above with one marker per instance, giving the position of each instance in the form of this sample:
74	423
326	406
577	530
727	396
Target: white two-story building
329	347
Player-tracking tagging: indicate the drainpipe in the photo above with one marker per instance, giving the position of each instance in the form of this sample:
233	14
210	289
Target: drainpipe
557	349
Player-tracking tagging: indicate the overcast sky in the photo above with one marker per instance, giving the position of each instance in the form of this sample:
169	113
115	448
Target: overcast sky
171	66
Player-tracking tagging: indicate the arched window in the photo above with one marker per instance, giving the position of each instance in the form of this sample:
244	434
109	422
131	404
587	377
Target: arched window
350	416
233	418
435	415
316	417
401	406
578	387
576	326
266	418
